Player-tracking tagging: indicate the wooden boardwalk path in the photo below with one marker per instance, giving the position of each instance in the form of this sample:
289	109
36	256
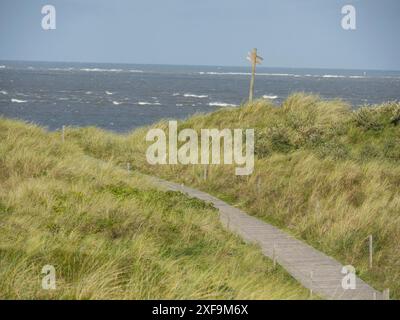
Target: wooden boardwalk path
313	269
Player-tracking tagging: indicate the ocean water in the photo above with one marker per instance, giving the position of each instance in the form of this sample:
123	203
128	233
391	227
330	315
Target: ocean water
121	97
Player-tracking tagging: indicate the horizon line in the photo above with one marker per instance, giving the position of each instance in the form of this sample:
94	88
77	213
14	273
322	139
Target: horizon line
198	65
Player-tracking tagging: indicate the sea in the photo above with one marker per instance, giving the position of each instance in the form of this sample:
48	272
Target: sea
122	97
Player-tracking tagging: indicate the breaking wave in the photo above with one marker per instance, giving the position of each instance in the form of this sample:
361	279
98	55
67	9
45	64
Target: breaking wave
190	95
248	74
18	101
100	70
109	70
270	97
221	104
145	103
333	76
326	76
61	69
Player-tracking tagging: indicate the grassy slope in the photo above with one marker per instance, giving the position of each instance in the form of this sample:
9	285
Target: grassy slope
326	174
110	234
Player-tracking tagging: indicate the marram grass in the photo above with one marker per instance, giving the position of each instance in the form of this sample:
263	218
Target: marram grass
323	172
109	233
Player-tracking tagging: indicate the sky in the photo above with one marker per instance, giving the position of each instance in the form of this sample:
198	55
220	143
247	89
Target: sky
287	33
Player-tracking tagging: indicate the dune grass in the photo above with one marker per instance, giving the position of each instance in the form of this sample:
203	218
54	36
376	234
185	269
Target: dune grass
325	173
109	233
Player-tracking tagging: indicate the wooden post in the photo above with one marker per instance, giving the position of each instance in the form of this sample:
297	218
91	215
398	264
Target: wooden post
253	73
205	172
274	256
258	185
254	59
63	133
370	251
128	167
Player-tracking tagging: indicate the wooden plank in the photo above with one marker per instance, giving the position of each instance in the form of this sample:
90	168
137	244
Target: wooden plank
297	257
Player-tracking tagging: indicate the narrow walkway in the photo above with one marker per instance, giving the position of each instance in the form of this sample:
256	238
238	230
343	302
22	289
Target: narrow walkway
313	269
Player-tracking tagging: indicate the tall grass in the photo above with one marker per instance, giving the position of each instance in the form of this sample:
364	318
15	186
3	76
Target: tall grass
109	233
325	173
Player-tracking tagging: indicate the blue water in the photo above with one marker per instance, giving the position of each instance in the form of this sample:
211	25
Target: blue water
122	97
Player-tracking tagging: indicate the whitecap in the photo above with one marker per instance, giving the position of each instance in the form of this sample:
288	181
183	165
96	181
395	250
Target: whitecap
2	67
60	69
190	95
3	92
18	101
278	74
116	103
357	77
176	94
226	73
270	97
221	104
145	103
109	93
100	70
332	76
248	74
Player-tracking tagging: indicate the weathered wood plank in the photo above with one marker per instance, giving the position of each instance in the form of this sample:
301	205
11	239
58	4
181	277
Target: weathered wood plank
312	268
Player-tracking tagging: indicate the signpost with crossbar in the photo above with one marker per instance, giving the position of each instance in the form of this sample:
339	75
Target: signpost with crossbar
254	59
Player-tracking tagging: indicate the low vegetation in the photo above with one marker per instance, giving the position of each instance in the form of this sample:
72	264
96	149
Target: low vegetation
110	234
325	173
